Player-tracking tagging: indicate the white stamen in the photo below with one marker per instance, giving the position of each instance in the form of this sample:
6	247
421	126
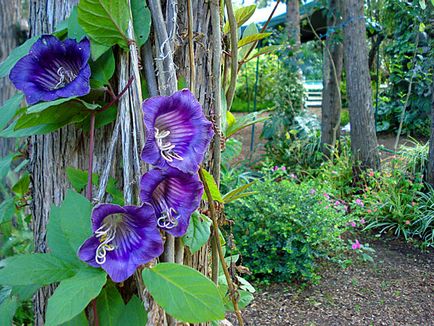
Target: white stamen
166	149
106	233
168	219
65	76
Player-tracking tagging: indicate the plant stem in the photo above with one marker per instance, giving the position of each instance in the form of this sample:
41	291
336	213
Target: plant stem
231	287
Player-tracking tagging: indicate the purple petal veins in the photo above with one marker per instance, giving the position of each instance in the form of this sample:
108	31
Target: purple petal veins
174	195
53	69
178	134
123	239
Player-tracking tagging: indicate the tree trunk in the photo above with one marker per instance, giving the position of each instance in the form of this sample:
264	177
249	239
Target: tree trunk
363	136
293	23
332	73
430	167
51	154
10	16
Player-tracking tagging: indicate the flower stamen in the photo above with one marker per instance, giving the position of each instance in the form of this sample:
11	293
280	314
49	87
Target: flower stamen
166	149
106	233
168	219
65	77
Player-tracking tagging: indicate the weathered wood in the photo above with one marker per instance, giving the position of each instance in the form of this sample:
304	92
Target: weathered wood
363	136
51	154
332	72
10	16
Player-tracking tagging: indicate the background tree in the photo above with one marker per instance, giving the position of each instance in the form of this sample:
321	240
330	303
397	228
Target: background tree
10	30
332	72
363	136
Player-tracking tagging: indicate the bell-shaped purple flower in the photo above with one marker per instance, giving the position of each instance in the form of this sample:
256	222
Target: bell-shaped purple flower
53	69
174	195
123	239
178	133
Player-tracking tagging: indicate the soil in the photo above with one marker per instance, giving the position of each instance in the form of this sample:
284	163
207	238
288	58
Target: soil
397	289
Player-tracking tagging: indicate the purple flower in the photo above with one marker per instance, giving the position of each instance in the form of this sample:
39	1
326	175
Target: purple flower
123	239
178	133
283	168
53	69
353	224
275	168
174	195
326	195
362	221
337	203
312	191
359	202
356	245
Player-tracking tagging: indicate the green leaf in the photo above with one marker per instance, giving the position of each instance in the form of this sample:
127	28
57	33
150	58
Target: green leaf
432	1
212	185
57	242
34	269
75	213
78	178
252	38
48	120
238	193
16	54
75	31
102	69
7	310
9	109
243	122
79	320
21	187
105	21
134	313
97	49
7	210
141	21
252	29
110	306
102	118
25	292
73	295
241	16
198	232
184	293
46	105
5	165
232	150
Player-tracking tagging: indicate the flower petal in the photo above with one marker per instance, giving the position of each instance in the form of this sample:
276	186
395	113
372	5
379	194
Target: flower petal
53	69
135	240
172	189
180	118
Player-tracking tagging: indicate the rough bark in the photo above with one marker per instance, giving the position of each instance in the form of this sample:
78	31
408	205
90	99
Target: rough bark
332	73
293	22
51	154
10	16
430	167
363	136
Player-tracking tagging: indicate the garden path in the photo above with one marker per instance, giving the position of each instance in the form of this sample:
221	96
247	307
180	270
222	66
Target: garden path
397	289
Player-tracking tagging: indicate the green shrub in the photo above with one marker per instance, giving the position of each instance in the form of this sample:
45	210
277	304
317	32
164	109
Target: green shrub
345	117
284	228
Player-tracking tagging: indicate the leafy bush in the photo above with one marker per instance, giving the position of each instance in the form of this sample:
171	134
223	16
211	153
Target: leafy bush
300	148
424	223
284	228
